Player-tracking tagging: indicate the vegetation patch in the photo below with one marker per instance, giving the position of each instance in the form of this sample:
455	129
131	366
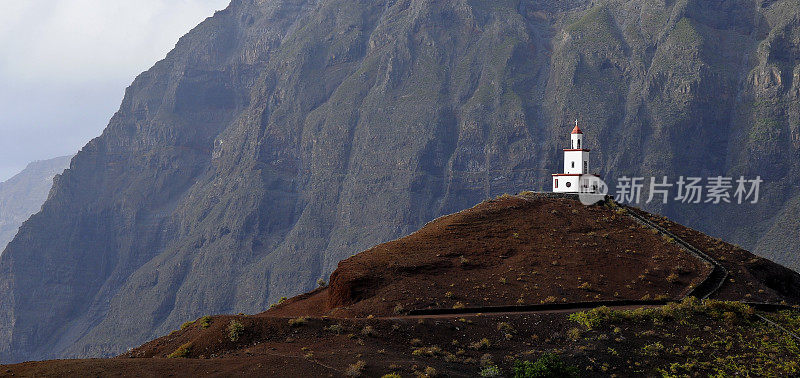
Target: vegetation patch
677	310
548	365
335	328
491	371
686	34
298	321
596	31
368	331
187	324
483	343
235	330
430	372
698	338
356	369
205	321
427	351
182	351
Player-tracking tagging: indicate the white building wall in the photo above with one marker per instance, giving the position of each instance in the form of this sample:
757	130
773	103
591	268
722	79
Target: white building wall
573	162
566	184
575	184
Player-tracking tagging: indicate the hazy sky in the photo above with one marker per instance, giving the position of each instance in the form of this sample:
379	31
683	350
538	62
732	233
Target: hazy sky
64	66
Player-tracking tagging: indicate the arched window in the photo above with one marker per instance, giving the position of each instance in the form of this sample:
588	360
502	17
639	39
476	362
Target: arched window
573	164
579	143
556	185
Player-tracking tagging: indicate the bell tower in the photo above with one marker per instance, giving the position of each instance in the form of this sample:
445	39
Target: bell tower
576	137
576	158
576	177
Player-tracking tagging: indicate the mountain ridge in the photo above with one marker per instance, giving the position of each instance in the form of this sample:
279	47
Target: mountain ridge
23	194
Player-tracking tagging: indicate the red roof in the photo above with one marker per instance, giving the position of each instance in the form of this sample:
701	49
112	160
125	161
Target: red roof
577	130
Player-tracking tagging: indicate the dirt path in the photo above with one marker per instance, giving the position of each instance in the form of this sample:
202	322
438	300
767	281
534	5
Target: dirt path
538	308
577	308
713	281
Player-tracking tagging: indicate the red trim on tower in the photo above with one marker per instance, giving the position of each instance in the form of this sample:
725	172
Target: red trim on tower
577	149
574	174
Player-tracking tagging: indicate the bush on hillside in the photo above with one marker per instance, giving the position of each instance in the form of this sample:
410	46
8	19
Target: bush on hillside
547	366
235	330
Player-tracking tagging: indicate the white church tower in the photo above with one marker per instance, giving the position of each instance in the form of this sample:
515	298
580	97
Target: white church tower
576	177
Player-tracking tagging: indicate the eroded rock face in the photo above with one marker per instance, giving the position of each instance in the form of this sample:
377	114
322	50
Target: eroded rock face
23	195
279	137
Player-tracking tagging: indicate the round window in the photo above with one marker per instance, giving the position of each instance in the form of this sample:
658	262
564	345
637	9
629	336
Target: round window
569	184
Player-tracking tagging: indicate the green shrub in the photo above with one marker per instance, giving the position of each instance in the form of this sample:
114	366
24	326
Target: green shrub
205	321
356	369
593	317
235	330
368	331
427	351
335	328
296	322
677	310
182	351
187	324
548	365
491	372
574	334
672	278
505	327
482	344
652	349
280	301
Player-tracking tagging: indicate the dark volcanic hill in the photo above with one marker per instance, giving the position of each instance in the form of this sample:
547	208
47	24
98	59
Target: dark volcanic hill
23	195
527	253
529	249
281	136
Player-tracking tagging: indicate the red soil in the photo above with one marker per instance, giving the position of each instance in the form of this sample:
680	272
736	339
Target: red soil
507	251
510	251
751	278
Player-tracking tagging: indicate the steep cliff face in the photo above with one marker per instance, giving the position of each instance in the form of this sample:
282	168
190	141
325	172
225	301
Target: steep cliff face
23	195
280	136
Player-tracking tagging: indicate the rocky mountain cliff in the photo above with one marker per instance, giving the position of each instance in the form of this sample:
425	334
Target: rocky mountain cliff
281	136
23	195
